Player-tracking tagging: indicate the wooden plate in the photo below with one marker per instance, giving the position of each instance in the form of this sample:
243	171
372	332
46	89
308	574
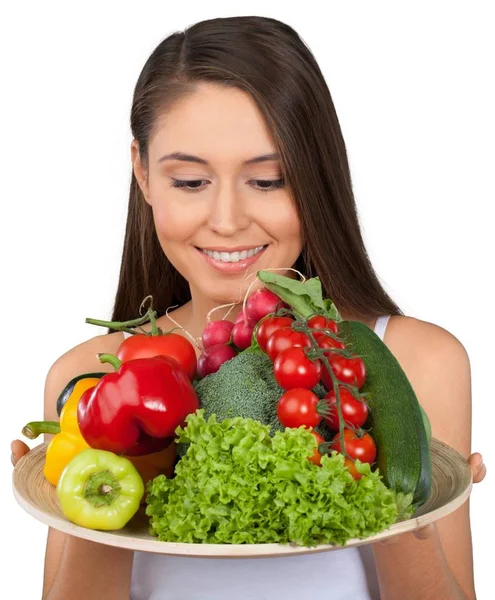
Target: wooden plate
452	483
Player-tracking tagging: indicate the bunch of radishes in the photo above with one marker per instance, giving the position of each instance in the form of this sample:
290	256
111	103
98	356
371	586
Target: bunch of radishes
222	340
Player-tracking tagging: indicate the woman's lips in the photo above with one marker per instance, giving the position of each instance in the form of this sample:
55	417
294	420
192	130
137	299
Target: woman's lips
231	267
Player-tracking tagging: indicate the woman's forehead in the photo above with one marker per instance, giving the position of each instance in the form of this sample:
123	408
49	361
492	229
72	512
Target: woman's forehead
215	124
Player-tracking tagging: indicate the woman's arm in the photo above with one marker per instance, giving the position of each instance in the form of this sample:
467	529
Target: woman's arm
440	565
76	568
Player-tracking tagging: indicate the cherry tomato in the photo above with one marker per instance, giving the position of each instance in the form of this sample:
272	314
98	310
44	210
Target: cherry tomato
316	456
169	344
293	369
354	411
347	370
325	342
285	338
321	322
268	326
362	447
298	407
352	468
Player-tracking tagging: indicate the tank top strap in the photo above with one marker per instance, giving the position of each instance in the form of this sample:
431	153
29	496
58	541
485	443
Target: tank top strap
381	325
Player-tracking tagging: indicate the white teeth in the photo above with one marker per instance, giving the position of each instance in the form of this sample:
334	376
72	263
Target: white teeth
233	256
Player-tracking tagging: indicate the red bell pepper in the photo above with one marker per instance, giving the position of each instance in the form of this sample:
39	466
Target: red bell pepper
136	410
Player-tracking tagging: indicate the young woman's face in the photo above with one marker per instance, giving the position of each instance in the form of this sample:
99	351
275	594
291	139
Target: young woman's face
222	212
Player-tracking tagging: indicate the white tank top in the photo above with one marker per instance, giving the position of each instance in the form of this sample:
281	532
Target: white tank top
347	574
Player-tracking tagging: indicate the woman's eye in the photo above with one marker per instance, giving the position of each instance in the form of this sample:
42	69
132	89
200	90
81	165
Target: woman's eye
268	185
195	185
192	185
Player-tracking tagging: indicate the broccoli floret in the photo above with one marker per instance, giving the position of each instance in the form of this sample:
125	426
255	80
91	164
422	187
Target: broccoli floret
243	387
246	387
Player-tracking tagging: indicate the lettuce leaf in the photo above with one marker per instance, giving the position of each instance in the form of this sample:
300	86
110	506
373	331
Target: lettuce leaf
236	484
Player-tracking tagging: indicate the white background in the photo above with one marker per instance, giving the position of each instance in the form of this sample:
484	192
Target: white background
413	87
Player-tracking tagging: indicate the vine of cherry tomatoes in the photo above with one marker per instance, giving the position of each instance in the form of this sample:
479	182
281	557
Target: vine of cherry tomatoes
298	371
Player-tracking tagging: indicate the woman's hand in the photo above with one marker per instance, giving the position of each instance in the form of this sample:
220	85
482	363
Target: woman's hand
478	469
18	449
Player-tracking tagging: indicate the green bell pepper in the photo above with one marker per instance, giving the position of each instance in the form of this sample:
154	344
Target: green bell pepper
100	490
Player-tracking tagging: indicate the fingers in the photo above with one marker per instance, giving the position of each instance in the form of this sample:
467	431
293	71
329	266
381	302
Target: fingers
480	473
423	533
18	449
478	467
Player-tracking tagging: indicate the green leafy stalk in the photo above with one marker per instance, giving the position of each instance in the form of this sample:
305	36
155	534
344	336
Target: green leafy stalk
305	298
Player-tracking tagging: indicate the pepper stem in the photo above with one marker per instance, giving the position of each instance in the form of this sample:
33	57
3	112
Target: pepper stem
101	488
35	428
110	358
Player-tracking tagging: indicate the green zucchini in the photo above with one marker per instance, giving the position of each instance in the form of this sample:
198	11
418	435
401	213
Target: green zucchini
427	424
395	417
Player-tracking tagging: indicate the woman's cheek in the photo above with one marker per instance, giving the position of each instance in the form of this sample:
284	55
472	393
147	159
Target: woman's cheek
173	221
282	220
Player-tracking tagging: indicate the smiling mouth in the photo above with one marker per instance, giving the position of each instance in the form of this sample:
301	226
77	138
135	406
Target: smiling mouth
233	257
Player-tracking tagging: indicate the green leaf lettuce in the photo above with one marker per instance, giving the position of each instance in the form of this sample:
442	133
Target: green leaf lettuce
236	484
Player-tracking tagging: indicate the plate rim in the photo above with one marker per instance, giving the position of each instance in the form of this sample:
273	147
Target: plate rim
203	550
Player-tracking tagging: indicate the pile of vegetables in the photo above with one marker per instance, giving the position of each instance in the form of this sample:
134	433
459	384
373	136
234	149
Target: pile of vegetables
308	367
294	425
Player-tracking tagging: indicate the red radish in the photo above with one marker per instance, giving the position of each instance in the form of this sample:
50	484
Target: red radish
242	334
217	332
261	303
214	357
240	317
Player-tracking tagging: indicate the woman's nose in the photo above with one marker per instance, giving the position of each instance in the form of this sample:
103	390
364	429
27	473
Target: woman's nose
227	213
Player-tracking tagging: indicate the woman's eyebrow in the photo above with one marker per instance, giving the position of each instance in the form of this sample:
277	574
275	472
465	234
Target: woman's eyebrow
197	159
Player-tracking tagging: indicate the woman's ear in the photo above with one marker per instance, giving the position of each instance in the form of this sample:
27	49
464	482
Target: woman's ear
140	172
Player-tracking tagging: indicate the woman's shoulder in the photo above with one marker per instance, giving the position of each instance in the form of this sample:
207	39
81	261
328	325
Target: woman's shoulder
83	358
414	338
438	368
86	352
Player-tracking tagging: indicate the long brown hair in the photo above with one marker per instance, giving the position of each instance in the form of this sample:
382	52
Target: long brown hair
267	59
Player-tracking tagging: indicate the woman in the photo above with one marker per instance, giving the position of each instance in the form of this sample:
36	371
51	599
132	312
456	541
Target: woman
237	148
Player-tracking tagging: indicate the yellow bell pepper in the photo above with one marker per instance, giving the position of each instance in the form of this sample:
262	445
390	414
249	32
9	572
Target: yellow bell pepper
68	442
